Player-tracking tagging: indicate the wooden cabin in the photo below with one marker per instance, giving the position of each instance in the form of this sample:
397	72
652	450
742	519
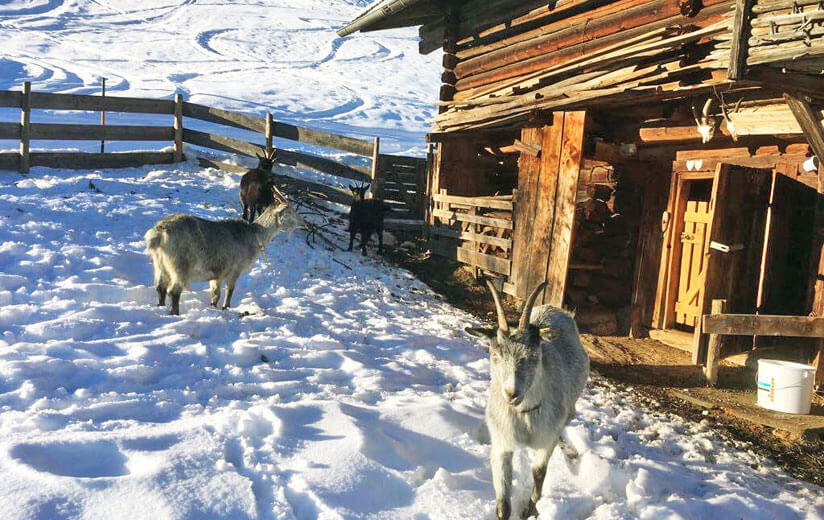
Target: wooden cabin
646	157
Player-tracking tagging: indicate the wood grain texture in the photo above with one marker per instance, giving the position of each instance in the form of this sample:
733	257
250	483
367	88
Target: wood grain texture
564	221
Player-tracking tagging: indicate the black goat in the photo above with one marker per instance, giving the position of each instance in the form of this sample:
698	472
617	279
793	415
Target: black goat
256	187
366	217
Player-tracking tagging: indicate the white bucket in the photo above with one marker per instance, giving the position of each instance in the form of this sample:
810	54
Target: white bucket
784	386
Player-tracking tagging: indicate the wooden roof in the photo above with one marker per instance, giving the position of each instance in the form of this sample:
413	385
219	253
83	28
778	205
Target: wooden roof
390	14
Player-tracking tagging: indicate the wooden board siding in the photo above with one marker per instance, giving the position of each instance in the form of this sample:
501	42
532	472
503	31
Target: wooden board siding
551	156
545	210
523	235
650	245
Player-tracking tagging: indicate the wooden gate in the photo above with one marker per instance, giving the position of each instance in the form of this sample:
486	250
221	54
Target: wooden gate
694	245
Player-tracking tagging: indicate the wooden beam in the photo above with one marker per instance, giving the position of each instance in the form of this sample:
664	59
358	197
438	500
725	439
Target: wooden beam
482	202
72	132
11	98
375	174
465	217
764	325
564	218
810	124
10	131
223	117
740	36
25	127
713	345
80	160
101	104
455	233
178	128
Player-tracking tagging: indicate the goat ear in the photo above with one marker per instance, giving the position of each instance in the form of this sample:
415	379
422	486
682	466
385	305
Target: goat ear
366	187
482	332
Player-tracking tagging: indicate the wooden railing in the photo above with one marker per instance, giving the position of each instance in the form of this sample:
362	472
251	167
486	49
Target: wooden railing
476	231
718	324
400	179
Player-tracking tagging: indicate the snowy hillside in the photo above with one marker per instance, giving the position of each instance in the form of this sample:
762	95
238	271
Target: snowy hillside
366	407
248	55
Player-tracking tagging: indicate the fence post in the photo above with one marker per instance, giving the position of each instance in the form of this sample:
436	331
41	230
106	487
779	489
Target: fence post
178	125
25	127
267	133
103	118
376	174
714	346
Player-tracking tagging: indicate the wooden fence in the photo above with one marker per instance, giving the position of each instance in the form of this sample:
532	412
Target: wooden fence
401	179
718	324
476	231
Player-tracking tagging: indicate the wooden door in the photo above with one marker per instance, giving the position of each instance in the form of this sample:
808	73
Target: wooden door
740	197
694	243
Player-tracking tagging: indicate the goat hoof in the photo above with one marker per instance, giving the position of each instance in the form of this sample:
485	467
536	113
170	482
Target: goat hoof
503	510
530	510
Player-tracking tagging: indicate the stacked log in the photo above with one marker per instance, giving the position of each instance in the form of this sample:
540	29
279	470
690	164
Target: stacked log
583	53
604	242
787	34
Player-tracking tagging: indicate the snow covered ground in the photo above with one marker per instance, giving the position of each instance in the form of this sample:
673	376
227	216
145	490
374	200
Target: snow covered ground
248	55
326	392
366	408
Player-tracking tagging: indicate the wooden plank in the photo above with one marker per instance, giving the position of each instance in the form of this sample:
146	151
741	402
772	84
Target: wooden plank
178	128
449	232
223	117
449	249
10	161
529	170
481	202
11	98
45	100
316	190
764	325
72	132
376	172
564	220
224	144
25	127
548	183
713	344
323	165
464	217
79	160
809	122
10	131
320	138
740	36
404	160
268	130
739	199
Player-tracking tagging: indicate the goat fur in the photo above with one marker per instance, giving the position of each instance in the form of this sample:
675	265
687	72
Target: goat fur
184	248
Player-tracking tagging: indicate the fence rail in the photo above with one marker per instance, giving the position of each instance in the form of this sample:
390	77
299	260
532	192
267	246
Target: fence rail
719	324
396	178
476	231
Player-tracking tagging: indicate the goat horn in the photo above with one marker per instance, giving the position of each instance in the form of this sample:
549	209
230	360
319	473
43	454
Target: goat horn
530	302
503	326
706	110
279	193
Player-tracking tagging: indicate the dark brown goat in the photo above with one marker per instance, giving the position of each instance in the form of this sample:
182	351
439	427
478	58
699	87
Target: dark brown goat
256	187
366	217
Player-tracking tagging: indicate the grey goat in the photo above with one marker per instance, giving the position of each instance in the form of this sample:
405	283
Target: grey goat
538	372
184	248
